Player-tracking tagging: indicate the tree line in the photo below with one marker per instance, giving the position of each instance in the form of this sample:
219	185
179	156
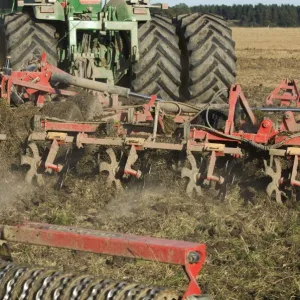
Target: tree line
246	15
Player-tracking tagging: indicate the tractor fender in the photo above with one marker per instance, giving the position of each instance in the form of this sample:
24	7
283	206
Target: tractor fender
54	12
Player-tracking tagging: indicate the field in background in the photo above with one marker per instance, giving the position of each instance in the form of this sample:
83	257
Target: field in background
265	57
253	244
267	38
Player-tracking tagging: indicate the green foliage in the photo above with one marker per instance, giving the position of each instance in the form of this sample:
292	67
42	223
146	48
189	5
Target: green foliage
245	15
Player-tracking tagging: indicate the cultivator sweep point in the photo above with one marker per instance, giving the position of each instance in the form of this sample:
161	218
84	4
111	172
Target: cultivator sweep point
19	282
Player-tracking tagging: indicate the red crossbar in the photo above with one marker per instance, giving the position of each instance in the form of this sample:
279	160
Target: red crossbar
69	126
190	255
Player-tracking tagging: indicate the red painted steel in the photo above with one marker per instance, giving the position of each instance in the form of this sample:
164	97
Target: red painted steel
236	94
116	244
69	126
36	84
287	92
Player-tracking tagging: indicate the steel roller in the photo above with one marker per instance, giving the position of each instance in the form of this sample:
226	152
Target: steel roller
19	282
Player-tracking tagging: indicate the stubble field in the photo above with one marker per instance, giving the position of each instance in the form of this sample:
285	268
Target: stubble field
265	57
253	244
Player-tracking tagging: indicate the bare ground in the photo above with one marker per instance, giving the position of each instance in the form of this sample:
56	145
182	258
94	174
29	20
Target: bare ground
252	243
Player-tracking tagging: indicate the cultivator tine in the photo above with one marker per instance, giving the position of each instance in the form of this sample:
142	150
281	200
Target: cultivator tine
193	175
40	180
26	160
33	163
271	189
229	178
30	176
112	170
273	186
35	151
131	159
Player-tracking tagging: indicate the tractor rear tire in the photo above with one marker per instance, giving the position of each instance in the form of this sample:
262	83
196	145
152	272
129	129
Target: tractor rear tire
27	38
210	55
158	70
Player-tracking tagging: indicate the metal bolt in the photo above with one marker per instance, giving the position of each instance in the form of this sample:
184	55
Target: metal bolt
193	257
266	123
287	116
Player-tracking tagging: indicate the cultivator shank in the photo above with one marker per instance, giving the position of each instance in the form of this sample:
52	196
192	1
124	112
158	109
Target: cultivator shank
29	283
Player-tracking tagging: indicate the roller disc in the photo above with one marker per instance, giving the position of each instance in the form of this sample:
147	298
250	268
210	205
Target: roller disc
18	282
275	175
193	175
111	169
32	159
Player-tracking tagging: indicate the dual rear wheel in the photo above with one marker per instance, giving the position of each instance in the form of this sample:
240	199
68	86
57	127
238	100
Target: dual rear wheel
190	58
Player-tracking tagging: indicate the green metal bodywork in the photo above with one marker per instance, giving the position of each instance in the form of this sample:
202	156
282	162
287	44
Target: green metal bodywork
101	39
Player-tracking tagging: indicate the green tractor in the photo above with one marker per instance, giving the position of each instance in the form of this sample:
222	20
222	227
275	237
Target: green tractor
188	58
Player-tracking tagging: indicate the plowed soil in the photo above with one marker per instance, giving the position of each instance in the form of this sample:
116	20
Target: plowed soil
253	244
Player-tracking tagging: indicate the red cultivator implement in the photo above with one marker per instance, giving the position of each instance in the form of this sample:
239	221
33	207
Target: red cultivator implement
143	128
212	131
30	283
